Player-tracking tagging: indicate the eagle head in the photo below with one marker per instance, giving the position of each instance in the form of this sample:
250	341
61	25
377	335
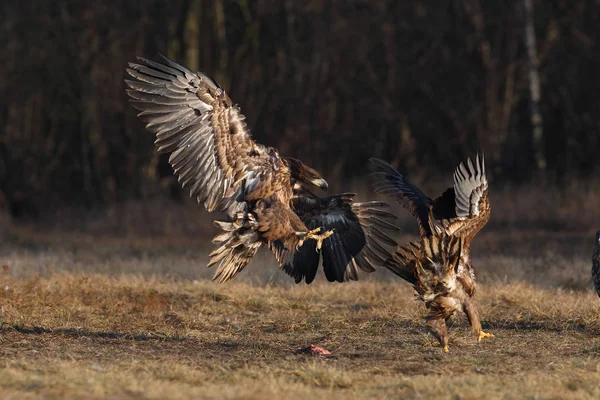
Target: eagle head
305	174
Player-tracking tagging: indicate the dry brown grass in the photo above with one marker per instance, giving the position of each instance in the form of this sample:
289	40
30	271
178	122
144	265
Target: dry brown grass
81	335
89	317
107	311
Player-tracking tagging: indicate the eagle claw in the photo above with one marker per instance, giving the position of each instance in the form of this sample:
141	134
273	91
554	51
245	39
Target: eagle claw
482	335
314	234
320	238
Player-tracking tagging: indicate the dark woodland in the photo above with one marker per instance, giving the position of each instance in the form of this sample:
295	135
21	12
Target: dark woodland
421	84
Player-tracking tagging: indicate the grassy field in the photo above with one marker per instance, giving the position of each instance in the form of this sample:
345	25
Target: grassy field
92	336
136	316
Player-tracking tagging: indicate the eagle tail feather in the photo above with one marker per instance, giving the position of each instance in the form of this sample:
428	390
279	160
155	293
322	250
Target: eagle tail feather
237	244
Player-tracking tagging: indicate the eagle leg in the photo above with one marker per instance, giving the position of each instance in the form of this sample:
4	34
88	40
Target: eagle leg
473	317
306	235
437	326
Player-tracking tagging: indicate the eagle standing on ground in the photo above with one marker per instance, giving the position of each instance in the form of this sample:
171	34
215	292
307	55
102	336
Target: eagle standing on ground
439	266
596	263
264	195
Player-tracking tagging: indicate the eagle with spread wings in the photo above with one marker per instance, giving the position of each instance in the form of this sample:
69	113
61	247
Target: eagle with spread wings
266	196
596	263
439	265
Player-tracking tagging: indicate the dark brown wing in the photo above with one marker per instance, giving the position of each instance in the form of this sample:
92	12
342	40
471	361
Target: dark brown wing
390	182
360	230
465	208
212	149
403	262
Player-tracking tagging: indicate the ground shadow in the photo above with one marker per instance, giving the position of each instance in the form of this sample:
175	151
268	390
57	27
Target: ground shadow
550	326
82	333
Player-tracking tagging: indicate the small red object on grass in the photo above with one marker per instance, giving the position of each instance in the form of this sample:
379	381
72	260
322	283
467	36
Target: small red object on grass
313	350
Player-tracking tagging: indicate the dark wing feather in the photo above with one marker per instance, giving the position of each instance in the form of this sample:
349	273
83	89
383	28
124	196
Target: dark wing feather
360	229
391	183
444	206
403	262
211	148
302	264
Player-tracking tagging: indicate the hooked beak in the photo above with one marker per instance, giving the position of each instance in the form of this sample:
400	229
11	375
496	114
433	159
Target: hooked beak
322	183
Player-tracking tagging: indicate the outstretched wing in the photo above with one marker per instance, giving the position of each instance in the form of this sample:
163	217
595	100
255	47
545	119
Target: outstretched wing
464	208
390	182
360	230
211	148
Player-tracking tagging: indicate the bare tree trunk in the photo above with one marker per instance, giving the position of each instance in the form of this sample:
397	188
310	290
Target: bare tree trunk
221	74
534	88
192	36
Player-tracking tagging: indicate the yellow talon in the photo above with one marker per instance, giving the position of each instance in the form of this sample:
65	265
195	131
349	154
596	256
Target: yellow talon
482	335
322	237
446	350
313	234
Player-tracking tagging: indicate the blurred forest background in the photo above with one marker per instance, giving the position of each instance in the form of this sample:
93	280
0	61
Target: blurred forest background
332	82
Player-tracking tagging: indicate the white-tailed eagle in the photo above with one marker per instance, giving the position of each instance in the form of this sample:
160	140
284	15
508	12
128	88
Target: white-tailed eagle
264	195
439	265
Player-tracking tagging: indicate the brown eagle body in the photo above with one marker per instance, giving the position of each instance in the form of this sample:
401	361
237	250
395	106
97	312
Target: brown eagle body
214	156
439	265
596	263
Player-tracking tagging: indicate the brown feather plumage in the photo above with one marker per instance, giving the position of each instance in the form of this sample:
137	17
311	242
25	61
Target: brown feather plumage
439	266
211	148
216	159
